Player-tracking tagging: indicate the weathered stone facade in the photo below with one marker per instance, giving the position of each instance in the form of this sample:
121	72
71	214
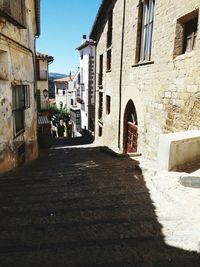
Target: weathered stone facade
18	136
165	90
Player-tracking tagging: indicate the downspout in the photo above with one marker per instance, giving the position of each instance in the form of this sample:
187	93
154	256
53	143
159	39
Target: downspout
89	88
121	73
93	53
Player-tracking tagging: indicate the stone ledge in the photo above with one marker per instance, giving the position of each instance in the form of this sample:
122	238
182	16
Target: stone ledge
178	148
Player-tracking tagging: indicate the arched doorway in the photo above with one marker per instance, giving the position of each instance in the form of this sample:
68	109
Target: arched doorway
130	128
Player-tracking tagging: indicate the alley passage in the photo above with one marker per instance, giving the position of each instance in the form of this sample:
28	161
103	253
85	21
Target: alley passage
81	207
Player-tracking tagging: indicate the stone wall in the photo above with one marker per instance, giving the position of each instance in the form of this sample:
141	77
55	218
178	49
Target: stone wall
17	47
166	93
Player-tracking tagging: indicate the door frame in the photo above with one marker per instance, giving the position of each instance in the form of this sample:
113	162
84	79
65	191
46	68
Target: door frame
130	115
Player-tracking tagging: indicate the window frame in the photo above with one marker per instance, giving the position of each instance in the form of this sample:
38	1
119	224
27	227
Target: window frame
7	9
192	35
20	102
145	31
100	130
108	104
100	78
110	29
109	60
100	113
181	35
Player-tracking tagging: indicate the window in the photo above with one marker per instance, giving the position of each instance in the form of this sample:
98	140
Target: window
100	81
79	78
63	91
61	104
72	102
109	58
186	33
190	35
100	131
145	30
75	116
110	28
100	105
21	101
108	100
78	117
14	11
109	40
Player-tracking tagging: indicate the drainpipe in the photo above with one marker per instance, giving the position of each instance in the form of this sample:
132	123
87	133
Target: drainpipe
92	53
121	73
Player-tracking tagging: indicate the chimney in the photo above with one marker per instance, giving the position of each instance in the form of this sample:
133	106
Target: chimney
84	39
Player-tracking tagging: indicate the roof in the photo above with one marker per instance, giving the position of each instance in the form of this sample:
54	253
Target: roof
65	79
100	17
37	16
85	44
44	57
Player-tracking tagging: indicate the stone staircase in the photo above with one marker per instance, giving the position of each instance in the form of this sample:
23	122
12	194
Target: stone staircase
82	207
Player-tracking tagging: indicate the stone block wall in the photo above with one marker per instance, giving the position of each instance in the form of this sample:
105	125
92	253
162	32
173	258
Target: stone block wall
165	91
18	49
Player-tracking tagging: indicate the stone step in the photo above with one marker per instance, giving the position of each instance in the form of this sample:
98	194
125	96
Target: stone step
101	253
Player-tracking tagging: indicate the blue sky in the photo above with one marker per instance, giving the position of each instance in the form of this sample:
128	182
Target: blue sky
63	22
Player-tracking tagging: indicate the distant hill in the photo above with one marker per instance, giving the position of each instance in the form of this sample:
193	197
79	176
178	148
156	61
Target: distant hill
53	76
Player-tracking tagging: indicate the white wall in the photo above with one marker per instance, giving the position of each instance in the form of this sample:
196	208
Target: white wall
86	52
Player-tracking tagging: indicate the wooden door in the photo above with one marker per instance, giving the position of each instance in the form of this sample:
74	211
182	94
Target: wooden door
132	135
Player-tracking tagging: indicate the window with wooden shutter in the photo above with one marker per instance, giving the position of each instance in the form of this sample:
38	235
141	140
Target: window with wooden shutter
190	35
21	101
186	33
14	11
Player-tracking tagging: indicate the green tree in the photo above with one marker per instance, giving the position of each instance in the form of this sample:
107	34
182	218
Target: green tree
56	115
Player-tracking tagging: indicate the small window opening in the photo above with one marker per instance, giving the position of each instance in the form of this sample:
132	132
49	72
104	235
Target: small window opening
108	100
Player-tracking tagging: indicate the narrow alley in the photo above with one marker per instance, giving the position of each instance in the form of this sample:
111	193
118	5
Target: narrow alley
81	207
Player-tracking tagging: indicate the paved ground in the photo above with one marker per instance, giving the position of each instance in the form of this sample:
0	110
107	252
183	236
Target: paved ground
176	206
82	207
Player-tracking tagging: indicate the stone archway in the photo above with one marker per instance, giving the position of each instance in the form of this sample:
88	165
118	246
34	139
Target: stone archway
130	128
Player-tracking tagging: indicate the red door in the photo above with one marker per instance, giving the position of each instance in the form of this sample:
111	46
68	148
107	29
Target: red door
132	135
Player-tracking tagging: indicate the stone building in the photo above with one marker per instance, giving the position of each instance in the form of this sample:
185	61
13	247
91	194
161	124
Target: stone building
148	72
86	99
42	71
19	26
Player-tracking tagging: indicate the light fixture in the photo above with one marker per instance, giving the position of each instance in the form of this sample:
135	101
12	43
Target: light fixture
45	93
